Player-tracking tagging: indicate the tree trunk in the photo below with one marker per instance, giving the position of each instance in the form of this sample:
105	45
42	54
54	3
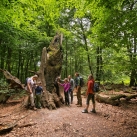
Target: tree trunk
131	48
50	69
86	47
115	100
99	64
9	59
132	78
66	59
19	64
2	57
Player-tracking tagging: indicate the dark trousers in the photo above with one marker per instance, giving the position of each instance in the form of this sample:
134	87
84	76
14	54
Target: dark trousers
66	94
71	94
38	100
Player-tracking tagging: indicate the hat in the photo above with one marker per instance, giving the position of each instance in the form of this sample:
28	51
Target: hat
35	76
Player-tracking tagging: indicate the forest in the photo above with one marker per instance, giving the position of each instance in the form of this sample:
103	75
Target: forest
95	37
99	37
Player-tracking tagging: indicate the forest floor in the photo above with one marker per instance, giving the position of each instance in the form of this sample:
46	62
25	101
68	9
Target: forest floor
109	121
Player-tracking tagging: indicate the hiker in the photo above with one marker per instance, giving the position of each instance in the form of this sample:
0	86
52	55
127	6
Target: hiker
78	90
71	81
90	94
31	83
66	86
38	93
57	86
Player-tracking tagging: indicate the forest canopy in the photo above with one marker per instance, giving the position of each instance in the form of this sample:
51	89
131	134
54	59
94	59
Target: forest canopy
99	37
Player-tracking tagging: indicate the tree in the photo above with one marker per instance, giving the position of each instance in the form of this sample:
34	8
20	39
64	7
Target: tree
50	69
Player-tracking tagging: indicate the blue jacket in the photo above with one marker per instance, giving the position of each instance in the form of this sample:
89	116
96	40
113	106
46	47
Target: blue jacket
38	90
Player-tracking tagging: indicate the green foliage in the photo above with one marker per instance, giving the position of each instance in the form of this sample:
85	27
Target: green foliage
3	84
26	26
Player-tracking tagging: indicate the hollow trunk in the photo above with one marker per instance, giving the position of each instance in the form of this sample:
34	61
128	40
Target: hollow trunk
50	69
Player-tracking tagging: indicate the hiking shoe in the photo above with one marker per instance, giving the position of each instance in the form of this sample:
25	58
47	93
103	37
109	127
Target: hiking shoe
93	111
77	104
39	107
33	108
84	111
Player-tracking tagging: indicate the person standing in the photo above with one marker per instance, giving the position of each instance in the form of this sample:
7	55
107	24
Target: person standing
31	82
38	93
57	86
90	94
78	90
66	86
71	81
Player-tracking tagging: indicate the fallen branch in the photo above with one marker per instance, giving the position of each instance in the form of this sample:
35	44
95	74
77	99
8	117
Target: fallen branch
26	125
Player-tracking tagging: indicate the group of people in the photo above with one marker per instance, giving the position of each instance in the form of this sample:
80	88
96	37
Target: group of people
34	88
69	84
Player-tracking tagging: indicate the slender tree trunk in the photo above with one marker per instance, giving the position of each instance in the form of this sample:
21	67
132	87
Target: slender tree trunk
132	56
66	59
35	61
71	67
26	67
19	63
9	59
22	71
99	64
80	65
2	57
86	47
76	63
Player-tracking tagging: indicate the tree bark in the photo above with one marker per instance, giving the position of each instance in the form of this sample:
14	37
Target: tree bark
131	48
99	63
86	47
114	101
50	69
66	59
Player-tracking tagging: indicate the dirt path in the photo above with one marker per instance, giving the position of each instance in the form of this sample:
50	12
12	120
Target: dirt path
109	121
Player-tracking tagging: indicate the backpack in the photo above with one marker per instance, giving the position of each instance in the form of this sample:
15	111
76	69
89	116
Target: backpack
26	80
96	87
81	81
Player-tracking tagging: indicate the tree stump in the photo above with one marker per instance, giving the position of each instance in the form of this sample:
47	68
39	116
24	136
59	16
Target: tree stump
50	69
